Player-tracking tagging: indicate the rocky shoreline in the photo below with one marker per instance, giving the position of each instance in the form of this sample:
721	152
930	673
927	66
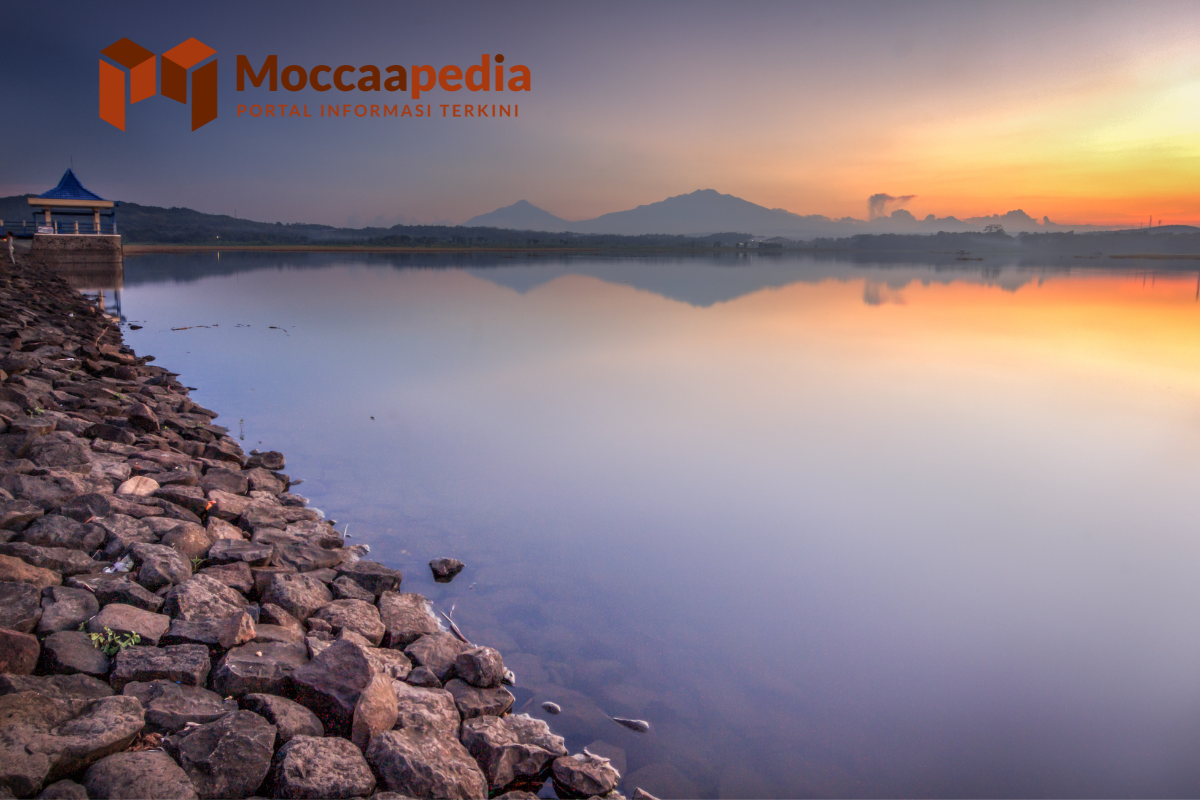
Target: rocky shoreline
176	623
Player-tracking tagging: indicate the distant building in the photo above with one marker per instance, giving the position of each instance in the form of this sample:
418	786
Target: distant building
70	199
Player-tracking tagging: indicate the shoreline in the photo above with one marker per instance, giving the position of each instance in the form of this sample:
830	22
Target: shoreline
175	622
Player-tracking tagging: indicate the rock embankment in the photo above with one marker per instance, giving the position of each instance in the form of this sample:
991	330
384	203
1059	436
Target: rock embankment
176	623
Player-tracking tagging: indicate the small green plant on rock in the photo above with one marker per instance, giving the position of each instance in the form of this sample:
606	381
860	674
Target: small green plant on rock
111	643
196	562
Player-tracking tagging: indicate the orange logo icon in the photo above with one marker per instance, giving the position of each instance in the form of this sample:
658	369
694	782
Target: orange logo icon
143	74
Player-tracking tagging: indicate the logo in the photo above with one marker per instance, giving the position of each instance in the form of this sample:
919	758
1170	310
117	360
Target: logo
142	68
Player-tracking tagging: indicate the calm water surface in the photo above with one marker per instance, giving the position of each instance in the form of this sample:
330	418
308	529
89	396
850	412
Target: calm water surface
834	529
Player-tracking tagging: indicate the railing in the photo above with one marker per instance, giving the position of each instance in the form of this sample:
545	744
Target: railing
27	228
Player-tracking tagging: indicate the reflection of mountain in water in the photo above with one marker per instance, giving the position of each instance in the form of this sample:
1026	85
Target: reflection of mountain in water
697	280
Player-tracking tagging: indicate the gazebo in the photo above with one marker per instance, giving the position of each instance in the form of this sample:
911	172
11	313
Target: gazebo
71	199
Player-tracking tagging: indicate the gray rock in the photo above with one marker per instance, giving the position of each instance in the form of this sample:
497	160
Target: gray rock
258	667
444	569
142	417
226	480
331	684
438	652
583	776
480	666
44	739
272	614
512	750
424	709
159	565
56	530
374	712
124	619
475	702
372	576
389	663
59	559
236	576
16	515
183	663
406	617
65	608
355	615
271	460
66	790
117	588
299	595
150	774
170	706
344	588
201	597
262	480
20	606
278	633
69	652
311	767
63	687
289	717
227	758
19	652
421	764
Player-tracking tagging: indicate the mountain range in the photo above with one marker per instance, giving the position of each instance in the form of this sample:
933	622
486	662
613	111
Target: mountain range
708	211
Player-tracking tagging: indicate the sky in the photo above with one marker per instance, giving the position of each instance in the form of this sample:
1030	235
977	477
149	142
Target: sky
1082	112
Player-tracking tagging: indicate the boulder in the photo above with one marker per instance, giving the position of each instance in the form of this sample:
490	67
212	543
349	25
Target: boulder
418	763
331	684
170	706
422	676
226	480
278	633
345	589
14	570
355	615
262	480
444	569
426	709
480	666
150	774
259	667
217	635
312	767
512	750
437	652
56	559
389	663
297	594
270	460
583	776
220	529
187	664
201	597
229	551
142	417
123	619
66	790
406	617
289	717
65	608
139	486
68	652
44	739
274	615
227	758
472	701
190	539
117	588
20	606
121	532
372	576
375	711
16	515
159	565
235	576
19	652
56	530
65	687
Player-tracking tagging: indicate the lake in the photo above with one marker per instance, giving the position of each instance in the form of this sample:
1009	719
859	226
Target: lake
834	528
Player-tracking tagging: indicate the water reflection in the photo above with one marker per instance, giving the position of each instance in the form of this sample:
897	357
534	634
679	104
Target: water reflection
94	279
827	546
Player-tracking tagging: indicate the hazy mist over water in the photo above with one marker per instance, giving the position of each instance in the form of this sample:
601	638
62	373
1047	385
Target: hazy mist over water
834	529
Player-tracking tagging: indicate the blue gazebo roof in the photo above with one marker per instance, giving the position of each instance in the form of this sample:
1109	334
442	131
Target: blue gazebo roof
69	188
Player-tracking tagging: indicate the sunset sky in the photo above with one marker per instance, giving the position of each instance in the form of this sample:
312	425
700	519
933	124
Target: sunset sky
1083	112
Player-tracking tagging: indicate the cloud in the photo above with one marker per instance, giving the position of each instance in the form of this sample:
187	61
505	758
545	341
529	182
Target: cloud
877	203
